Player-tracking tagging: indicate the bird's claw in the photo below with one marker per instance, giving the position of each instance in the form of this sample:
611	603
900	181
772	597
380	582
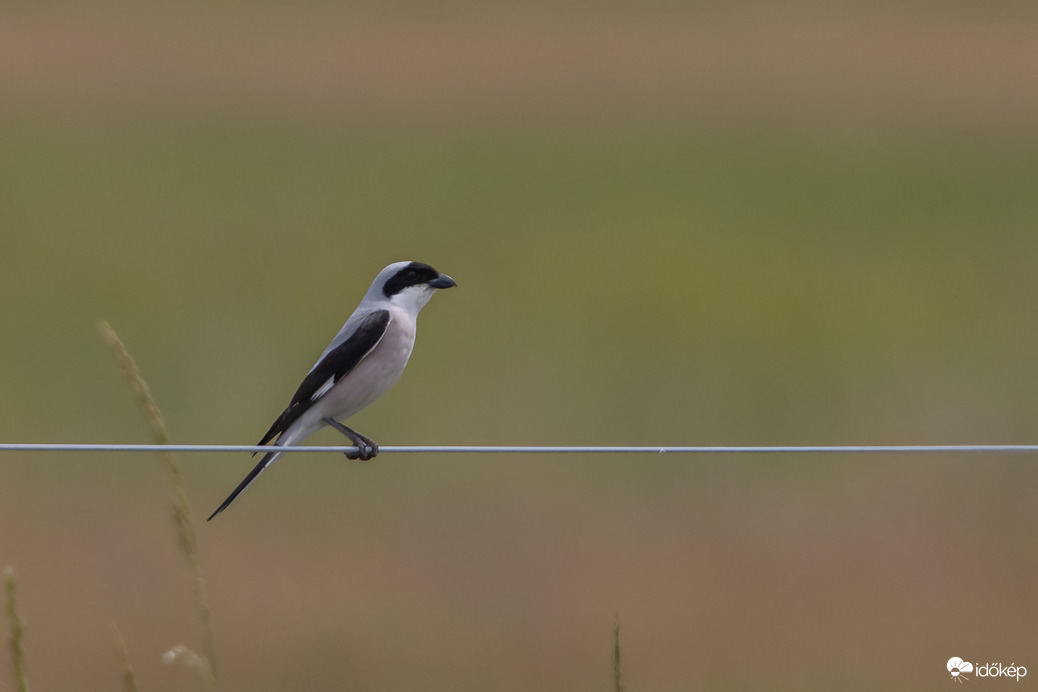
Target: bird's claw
366	447
364	452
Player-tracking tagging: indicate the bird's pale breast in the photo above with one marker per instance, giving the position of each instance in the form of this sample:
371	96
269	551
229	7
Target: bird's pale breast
375	374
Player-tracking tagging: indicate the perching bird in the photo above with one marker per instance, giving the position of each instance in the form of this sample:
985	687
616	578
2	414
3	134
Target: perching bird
361	363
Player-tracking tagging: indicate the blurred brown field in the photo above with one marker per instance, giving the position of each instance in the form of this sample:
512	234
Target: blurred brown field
670	224
856	61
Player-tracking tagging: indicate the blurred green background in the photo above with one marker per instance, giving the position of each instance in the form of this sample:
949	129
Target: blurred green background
670	223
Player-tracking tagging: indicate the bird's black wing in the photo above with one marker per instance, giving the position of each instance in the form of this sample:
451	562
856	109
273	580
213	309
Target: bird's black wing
335	365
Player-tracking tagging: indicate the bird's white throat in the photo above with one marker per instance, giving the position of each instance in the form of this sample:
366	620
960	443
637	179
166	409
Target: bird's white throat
413	298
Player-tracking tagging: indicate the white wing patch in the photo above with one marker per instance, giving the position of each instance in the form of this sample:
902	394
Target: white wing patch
323	389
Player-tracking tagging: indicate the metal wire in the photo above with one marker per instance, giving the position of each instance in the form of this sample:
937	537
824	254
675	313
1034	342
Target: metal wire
481	449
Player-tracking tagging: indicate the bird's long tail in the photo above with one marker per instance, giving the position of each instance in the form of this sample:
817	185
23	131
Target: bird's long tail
268	459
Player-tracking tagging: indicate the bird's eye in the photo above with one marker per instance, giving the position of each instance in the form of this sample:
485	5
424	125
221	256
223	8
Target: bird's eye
412	275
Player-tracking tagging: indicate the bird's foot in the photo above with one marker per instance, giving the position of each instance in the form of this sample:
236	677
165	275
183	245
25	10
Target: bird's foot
366	447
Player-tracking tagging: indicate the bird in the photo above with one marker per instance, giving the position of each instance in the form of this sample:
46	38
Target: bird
360	364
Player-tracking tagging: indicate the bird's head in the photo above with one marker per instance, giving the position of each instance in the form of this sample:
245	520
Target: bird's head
409	285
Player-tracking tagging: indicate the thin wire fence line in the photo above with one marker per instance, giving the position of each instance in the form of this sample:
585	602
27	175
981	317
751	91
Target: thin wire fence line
503	449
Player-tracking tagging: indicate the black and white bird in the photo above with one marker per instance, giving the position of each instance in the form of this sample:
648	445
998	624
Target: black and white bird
361	363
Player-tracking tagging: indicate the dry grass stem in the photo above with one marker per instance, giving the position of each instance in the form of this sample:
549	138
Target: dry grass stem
618	678
181	507
182	654
129	680
21	679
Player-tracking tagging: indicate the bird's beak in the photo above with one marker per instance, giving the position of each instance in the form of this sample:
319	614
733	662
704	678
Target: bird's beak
443	281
